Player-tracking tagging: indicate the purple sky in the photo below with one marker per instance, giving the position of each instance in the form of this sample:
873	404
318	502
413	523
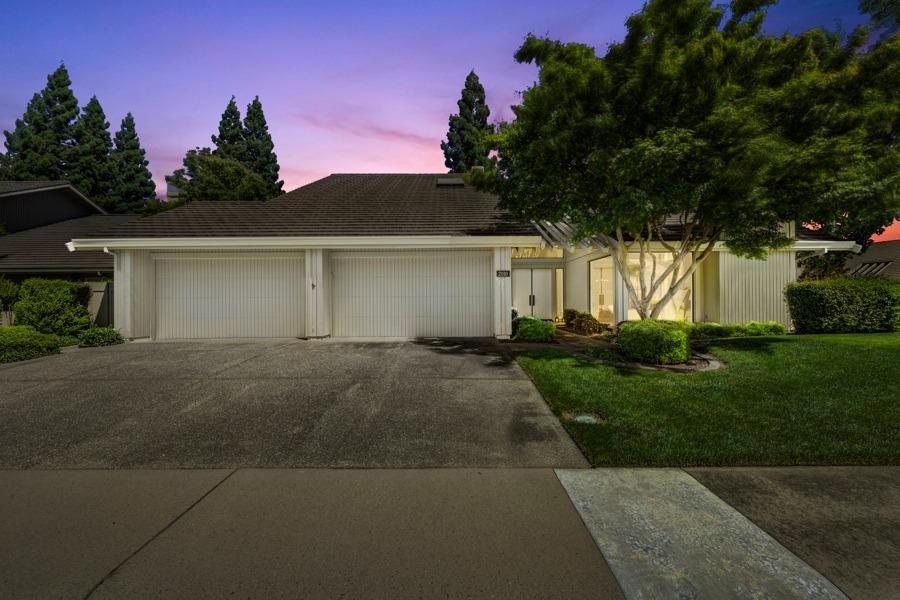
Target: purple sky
347	86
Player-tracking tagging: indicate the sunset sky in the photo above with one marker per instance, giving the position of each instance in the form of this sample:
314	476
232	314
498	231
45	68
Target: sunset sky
347	86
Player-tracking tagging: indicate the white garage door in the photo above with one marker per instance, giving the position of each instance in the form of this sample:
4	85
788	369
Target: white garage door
412	294
230	297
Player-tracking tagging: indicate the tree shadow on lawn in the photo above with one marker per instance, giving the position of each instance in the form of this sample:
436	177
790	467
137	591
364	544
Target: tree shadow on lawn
757	345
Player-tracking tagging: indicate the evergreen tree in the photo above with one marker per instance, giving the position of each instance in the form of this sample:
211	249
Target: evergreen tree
39	146
133	185
260	155
210	177
230	141
466	146
90	168
885	13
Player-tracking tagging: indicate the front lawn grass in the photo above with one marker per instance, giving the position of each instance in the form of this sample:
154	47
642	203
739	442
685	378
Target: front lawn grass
788	400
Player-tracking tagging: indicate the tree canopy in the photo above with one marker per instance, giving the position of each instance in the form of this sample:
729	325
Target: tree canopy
133	187
39	146
206	176
90	168
466	144
243	165
698	129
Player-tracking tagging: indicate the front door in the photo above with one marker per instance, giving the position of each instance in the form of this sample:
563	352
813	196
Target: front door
532	291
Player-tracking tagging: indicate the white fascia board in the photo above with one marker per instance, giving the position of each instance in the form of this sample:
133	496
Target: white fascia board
301	243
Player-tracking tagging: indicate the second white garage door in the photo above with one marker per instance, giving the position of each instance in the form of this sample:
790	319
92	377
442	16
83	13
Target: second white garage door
412	294
230	297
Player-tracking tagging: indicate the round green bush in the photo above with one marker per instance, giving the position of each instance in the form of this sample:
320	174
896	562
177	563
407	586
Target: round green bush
99	336
655	342
53	306
842	305
530	329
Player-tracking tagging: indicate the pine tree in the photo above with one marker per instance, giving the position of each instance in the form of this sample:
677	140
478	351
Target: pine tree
230	141
465	146
39	146
90	168
260	150
133	185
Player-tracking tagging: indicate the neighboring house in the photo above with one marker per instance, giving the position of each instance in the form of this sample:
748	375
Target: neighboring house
29	204
881	259
389	256
39	218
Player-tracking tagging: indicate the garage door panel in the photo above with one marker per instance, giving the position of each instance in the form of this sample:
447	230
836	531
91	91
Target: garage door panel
412	294
230	297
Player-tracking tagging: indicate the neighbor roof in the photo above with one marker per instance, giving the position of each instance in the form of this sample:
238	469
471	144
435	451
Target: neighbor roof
341	205
43	249
881	258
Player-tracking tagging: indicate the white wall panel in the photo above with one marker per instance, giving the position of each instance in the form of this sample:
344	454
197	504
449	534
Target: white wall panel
412	294
753	290
230	296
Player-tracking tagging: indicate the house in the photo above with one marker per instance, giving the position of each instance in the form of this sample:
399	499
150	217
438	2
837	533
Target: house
881	259
387	256
39	218
28	204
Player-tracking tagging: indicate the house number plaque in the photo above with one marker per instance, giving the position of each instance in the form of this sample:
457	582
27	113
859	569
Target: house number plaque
504	273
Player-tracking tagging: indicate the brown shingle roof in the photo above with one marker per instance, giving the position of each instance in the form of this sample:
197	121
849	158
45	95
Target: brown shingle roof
881	258
43	249
341	205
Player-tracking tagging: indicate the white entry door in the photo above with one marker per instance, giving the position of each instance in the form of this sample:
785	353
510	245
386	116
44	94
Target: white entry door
262	296
532	291
412	294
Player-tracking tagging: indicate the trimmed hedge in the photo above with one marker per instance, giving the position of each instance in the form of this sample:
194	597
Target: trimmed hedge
753	328
529	329
843	305
22	343
53	306
99	336
655	342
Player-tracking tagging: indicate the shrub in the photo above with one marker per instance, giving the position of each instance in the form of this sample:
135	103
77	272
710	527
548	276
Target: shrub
753	328
534	330
842	305
656	342
22	343
9	293
586	324
53	306
99	336
569	316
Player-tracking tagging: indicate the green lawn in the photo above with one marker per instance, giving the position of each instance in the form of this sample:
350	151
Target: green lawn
829	399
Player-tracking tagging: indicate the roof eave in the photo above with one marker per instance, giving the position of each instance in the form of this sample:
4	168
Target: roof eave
299	243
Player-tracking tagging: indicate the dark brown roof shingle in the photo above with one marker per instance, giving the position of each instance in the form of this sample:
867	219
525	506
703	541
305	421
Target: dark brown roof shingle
341	205
14	187
43	249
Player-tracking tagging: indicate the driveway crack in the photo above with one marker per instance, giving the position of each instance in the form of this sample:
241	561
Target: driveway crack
115	569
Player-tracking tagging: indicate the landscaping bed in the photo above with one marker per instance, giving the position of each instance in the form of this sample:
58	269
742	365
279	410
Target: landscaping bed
783	400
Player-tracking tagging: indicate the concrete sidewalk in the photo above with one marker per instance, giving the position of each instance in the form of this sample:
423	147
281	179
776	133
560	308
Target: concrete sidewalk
295	533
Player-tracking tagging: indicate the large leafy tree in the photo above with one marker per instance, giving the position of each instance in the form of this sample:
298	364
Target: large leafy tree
885	13
89	168
697	130
133	187
39	145
466	146
206	176
230	141
259	150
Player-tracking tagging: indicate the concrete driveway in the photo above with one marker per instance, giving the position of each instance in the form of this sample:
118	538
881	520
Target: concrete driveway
289	403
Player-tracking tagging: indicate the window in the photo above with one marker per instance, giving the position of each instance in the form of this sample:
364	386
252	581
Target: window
603	290
680	308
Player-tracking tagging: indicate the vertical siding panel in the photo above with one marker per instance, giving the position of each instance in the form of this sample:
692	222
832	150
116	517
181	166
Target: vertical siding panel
752	290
